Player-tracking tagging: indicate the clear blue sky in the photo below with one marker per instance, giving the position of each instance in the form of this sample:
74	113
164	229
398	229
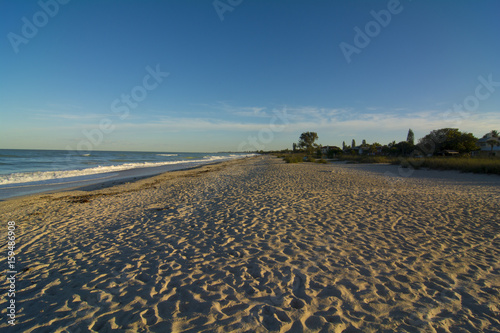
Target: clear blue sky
267	72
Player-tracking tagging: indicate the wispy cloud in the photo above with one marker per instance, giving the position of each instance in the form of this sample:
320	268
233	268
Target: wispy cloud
65	106
313	118
70	116
242	111
333	125
54	114
177	124
315	114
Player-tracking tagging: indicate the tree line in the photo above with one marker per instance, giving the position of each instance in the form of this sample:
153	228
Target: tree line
444	141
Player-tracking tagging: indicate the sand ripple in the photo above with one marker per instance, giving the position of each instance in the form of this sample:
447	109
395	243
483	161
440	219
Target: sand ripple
259	245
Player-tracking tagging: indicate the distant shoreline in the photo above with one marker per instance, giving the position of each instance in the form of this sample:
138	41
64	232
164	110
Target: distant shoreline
15	191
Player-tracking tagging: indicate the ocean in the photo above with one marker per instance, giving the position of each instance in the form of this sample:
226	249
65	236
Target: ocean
24	172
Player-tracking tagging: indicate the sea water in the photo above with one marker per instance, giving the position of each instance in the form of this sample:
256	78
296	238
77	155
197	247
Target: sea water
25	172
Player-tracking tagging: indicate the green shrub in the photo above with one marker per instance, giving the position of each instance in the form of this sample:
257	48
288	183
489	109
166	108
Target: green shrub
369	159
464	164
487	165
294	158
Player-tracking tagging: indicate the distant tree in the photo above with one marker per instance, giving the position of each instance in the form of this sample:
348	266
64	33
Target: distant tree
333	151
319	151
386	150
353	143
410	138
374	147
447	139
363	143
394	150
294	147
343	145
404	148
307	140
493	139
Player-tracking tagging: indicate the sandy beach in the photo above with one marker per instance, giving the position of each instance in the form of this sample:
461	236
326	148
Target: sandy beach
257	245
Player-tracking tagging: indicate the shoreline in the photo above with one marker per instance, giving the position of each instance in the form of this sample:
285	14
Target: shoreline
118	178
259	245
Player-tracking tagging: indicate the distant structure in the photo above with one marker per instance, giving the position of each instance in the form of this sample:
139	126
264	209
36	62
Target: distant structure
489	145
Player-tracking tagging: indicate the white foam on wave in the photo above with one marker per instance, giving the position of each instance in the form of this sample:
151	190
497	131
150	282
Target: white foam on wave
168	155
29	177
215	157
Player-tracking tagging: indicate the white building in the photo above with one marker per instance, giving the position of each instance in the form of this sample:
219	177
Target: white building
485	144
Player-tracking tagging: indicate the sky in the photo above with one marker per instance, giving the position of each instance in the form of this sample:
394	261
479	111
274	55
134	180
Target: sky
238	75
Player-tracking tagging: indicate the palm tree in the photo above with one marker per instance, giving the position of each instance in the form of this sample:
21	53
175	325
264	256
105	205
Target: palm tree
493	140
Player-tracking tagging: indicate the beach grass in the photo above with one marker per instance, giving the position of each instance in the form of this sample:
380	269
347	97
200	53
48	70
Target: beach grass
300	157
485	165
464	164
369	159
